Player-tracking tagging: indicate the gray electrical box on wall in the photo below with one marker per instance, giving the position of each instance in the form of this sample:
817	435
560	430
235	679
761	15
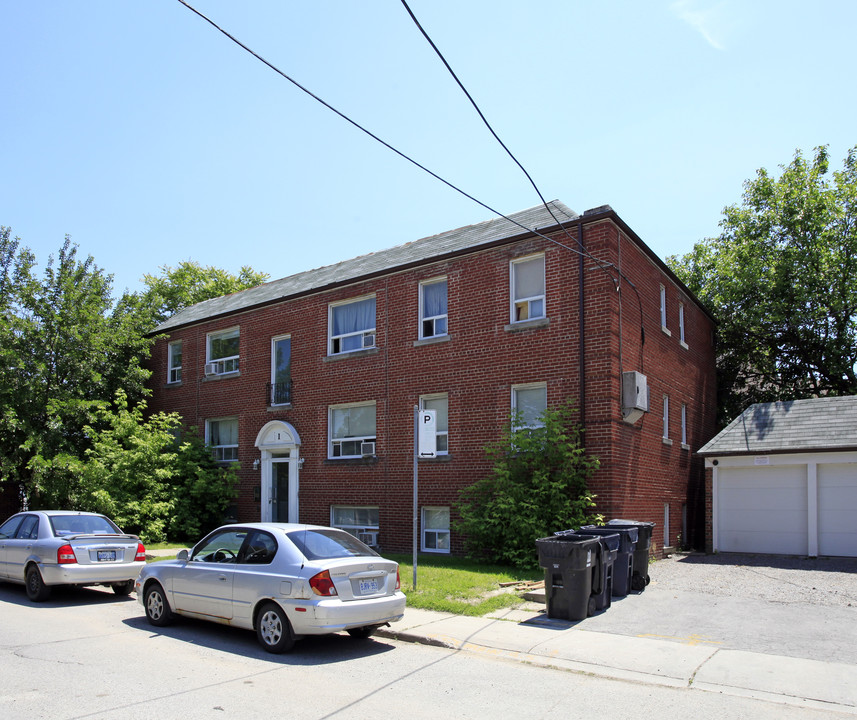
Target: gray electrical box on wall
635	396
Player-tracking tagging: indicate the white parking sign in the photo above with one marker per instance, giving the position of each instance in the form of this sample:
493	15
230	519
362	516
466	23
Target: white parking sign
427	433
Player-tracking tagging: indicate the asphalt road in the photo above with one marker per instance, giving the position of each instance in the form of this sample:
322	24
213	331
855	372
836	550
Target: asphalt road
90	654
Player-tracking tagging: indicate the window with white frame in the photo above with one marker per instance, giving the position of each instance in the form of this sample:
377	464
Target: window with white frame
440	404
435	525
683	424
529	403
681	325
221	435
221	352
666	417
281	370
433	316
351	430
362	522
663	307
352	326
174	362
528	288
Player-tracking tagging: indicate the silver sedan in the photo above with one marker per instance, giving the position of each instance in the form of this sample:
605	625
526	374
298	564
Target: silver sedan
45	548
281	580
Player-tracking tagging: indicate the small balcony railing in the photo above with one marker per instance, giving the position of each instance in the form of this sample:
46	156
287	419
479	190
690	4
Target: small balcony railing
279	393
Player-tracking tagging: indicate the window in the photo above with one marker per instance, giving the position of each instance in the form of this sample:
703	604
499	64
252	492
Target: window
681	325
222	437
351	431
684	424
435	529
222	352
362	522
528	288
352	326
259	549
222	547
663	308
281	371
529	402
174	362
666	417
433	308
440	404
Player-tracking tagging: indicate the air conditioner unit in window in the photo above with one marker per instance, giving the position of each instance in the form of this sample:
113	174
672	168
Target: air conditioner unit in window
211	368
369	537
367	449
635	396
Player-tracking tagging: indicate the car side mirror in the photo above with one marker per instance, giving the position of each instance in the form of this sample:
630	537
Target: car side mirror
182	555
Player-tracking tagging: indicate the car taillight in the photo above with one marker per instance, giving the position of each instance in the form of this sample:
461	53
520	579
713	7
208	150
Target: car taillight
65	555
321	584
141	553
398	581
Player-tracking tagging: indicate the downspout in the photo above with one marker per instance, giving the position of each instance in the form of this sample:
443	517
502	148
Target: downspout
581	328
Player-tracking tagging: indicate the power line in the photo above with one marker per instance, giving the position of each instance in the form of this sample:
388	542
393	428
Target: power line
371	134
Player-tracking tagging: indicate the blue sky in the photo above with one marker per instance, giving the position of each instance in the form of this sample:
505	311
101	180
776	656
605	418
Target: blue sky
150	138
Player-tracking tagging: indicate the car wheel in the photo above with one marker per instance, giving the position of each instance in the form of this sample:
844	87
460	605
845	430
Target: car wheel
123	588
37	591
361	633
158	611
274	630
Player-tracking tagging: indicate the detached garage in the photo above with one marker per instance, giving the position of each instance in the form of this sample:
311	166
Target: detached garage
782	479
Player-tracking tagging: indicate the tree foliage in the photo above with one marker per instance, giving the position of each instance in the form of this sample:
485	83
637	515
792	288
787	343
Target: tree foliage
780	280
537	485
189	283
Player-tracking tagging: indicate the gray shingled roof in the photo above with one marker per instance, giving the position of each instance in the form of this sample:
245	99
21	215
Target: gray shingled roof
452	241
828	423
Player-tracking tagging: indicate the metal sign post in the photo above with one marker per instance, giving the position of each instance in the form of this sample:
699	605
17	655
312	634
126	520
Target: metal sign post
425	446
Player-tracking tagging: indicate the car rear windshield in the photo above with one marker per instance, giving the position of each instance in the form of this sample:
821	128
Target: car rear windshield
318	544
83	525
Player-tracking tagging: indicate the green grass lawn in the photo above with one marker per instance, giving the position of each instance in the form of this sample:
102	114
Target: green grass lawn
458	585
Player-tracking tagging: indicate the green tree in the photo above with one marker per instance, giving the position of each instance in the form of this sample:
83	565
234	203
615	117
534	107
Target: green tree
189	283
66	349
148	480
780	280
538	485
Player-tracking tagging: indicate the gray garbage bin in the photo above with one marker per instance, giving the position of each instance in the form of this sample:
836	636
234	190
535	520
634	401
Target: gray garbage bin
640	577
568	561
623	566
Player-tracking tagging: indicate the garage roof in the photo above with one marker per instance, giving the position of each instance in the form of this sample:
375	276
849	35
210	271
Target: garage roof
828	423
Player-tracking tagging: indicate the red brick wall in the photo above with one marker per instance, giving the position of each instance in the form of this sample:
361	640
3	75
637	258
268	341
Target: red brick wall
476	366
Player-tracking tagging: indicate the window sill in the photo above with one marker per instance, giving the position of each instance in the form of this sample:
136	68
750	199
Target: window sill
432	551
222	376
281	406
685	446
666	331
173	384
666	441
683	344
432	340
437	459
352	354
527	325
369	460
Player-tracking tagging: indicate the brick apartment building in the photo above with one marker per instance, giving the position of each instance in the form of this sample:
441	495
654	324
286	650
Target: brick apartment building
310	382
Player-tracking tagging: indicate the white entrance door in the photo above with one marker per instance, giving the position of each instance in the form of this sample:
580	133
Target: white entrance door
279	490
279	447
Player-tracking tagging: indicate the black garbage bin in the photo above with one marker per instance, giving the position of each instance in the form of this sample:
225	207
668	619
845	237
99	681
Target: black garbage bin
623	566
567	561
640	577
602	569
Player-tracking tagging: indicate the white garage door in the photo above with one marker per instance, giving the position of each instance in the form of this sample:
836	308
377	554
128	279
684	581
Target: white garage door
762	509
837	509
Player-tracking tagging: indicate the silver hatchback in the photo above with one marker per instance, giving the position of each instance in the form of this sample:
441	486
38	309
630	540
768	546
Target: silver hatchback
45	548
281	580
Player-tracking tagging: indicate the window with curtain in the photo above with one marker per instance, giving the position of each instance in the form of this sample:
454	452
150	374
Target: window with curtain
352	326
222	351
529	403
440	404
174	362
528	288
349	428
222	437
433	308
435	529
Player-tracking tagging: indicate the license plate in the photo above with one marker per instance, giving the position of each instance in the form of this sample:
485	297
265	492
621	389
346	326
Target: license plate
106	555
368	586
